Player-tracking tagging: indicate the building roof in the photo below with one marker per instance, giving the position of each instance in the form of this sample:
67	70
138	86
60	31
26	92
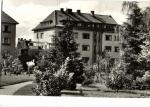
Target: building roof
7	19
58	15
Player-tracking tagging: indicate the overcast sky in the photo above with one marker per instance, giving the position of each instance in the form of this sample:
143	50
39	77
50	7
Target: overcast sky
30	12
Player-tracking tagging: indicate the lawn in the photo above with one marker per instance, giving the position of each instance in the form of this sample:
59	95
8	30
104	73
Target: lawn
90	92
112	94
6	80
26	90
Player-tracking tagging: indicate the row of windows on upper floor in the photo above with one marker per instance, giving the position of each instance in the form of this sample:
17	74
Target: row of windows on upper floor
107	48
109	38
94	25
84	36
87	25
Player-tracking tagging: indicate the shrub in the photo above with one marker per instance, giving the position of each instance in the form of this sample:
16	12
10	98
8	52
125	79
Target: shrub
74	66
51	79
116	80
17	66
50	83
89	75
87	82
128	79
138	84
146	78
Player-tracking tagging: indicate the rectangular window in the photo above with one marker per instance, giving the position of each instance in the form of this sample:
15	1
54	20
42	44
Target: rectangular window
115	39
86	36
85	47
59	33
7	28
42	35
75	35
37	36
108	48
53	39
118	38
116	49
108	37
6	41
85	59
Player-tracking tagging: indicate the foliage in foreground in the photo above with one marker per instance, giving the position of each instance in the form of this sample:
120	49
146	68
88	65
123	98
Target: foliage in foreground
135	54
50	80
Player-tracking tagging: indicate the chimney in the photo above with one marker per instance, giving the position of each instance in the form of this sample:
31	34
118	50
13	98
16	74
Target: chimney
61	9
78	11
92	12
69	10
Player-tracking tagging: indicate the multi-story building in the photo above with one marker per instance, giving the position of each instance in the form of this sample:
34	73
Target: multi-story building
8	34
92	32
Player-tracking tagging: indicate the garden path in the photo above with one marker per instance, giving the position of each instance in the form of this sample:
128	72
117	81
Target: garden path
11	89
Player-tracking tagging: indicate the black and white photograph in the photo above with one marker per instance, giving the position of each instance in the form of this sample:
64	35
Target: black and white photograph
75	48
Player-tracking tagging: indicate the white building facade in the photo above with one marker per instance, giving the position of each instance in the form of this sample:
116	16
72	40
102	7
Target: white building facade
93	33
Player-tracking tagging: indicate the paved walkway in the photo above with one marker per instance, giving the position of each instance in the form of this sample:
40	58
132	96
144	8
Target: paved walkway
11	89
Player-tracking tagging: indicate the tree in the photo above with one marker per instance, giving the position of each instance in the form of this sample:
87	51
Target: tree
75	67
116	80
129	6
133	33
49	81
66	47
65	43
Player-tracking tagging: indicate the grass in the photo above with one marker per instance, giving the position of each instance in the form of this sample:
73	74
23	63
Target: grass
6	80
114	94
26	90
107	94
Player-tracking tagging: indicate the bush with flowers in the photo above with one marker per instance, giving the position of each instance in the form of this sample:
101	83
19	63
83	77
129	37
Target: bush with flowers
49	80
